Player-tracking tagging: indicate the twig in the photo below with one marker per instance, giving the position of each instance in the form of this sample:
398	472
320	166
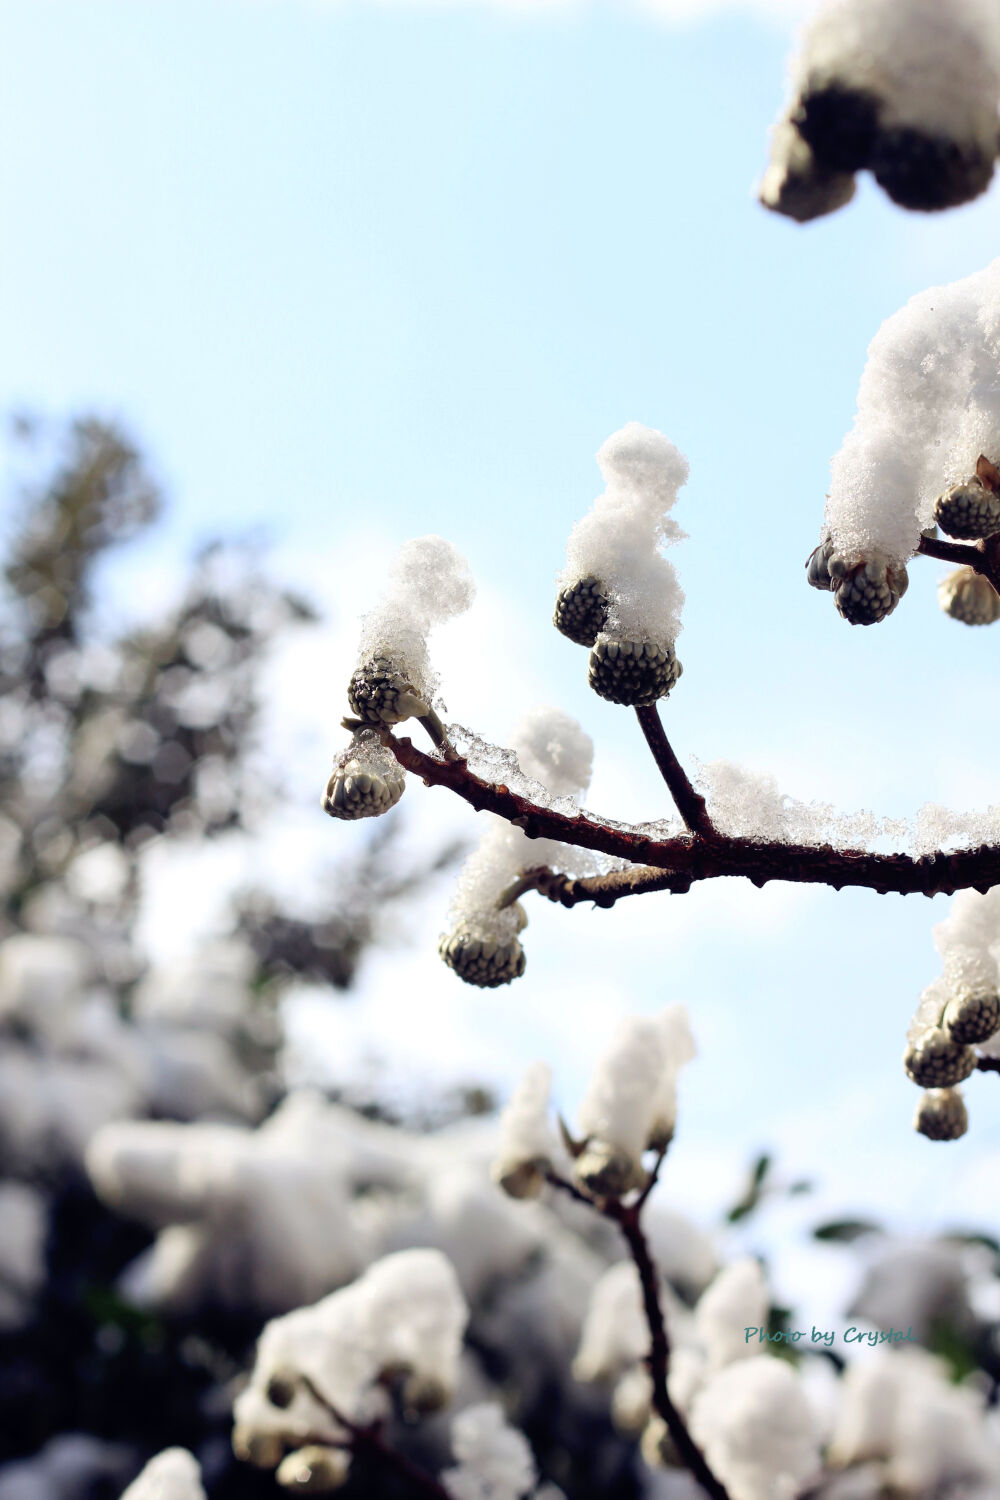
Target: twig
686	859
628	1217
368	1439
983	557
689	804
988	1064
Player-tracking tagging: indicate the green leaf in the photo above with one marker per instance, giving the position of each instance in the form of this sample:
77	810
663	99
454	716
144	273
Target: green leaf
845	1231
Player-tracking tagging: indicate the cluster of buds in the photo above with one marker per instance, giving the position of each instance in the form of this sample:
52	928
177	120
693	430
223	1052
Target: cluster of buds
366	780
633	673
940	1054
865	591
893	89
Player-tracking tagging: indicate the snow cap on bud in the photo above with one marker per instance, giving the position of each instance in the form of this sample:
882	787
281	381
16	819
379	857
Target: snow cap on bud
756	1428
934	1061
366	781
527	1142
629	1104
314	1470
429	583
967	596
941	1115
736	1299
613	553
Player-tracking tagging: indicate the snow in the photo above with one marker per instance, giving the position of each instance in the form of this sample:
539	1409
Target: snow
619	540
428	583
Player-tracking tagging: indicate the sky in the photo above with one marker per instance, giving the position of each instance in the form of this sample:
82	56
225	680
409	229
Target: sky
354	272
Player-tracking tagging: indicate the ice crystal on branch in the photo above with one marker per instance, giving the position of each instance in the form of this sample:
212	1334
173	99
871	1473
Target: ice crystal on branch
482	944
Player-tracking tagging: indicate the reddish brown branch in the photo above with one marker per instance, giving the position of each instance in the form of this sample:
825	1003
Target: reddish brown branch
686	859
689	804
628	1217
983	557
368	1440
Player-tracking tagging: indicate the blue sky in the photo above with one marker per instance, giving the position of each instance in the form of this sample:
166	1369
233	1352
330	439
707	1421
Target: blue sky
354	272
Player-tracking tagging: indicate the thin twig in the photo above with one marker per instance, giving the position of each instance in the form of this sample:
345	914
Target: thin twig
368	1439
689	804
628	1217
983	556
697	859
988	1064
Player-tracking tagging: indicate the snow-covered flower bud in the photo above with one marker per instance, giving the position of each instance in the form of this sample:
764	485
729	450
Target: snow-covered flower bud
634	673
795	184
869	591
483	957
527	1144
971	1018
381	693
252	1446
941	1115
818	566
581	611
934	1061
314	1470
606	1170
367	780
969	510
967	596
657	1447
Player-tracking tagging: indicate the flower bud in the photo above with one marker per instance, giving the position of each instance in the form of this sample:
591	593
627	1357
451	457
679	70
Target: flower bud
367	780
632	1402
818	566
380	693
657	1446
868	592
581	611
795	184
282	1389
262	1449
424	1394
522	1179
941	1115
935	1061
606	1170
314	1470
927	171
972	1018
634	673
968	511
481	958
967	596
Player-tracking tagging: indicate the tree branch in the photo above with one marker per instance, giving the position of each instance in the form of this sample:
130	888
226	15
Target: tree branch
983	557
687	859
689	804
368	1440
